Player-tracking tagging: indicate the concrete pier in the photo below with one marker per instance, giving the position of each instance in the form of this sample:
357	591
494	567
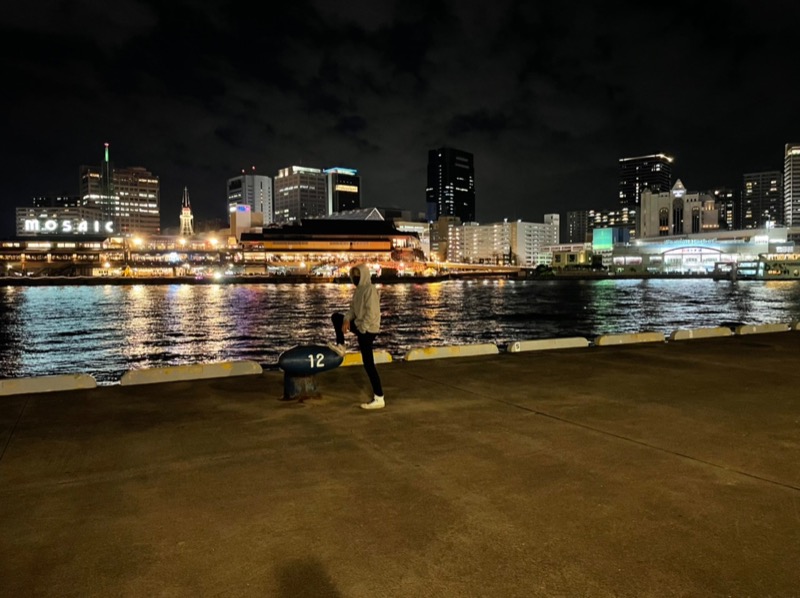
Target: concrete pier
651	469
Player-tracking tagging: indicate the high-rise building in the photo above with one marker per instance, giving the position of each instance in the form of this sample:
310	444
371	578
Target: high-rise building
727	206
343	189
791	185
451	185
762	200
299	194
128	197
577	226
253	190
652	172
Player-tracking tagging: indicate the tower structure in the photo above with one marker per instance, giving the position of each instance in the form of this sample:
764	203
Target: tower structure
636	174
791	185
451	185
187	228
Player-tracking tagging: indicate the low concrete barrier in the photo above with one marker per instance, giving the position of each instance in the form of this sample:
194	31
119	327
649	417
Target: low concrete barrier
198	371
355	358
547	343
761	328
16	386
795	325
626	339
682	335
451	351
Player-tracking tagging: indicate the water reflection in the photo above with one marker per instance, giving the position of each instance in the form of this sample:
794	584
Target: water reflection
108	330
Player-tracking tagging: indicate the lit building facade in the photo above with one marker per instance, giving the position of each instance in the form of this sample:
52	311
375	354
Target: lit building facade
299	194
762	200
129	197
636	174
577	226
252	190
727	205
676	212
72	221
343	189
791	185
451	185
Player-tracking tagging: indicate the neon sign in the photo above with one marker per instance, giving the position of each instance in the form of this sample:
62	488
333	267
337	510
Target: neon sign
67	227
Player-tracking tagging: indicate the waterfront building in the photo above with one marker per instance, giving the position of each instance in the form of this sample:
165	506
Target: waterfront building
128	197
451	185
328	247
252	190
761	200
791	185
64	221
58	201
299	194
343	189
676	212
515	243
653	172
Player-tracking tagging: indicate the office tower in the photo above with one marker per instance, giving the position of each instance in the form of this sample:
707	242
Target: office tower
791	185
187	219
253	190
343	189
451	185
299	194
762	200
727	205
57	201
577	226
128	197
652	172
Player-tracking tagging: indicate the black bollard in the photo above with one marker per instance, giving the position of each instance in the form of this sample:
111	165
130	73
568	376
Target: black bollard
300	366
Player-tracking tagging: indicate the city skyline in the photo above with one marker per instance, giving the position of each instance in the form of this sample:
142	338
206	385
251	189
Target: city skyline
546	99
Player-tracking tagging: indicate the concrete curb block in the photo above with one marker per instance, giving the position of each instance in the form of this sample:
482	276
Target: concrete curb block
795	325
761	328
682	335
222	369
16	386
451	351
548	343
627	339
355	358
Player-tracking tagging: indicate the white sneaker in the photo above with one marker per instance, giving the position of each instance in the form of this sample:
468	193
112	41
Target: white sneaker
376	403
340	350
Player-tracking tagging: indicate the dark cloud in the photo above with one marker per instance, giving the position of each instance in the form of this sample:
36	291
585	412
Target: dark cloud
547	96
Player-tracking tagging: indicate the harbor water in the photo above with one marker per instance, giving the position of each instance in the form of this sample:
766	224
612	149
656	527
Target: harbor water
107	330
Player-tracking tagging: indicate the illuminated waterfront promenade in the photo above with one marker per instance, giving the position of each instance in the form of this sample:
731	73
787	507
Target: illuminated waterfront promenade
667	469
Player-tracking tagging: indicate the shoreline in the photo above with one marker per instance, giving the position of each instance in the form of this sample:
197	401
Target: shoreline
284	279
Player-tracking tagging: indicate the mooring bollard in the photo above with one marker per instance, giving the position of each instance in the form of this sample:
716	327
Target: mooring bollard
300	365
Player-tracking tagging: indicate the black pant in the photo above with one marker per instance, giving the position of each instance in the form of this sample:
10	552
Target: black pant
365	341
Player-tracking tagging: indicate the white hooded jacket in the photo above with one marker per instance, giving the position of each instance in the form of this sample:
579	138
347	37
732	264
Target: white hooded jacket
365	309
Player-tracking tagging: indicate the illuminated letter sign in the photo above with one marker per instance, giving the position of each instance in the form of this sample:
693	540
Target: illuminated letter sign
31	226
36	226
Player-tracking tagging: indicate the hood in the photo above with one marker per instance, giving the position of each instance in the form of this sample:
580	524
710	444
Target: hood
365	275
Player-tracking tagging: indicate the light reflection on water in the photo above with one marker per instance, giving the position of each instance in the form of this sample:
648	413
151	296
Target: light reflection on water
105	331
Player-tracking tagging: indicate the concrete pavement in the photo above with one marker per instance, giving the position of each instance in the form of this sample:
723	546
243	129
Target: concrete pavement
641	470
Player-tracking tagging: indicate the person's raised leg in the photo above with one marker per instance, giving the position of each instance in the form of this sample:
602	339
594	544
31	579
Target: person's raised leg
339	346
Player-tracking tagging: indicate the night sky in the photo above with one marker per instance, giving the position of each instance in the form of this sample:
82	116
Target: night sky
546	95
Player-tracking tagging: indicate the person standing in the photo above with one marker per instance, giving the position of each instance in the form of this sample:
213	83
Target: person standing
363	318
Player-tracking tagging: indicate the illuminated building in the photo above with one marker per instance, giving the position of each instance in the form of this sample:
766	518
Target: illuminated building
762	200
727	206
676	212
252	190
577	226
515	243
653	172
128	197
187	219
343	190
791	185
451	185
299	194
57	222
